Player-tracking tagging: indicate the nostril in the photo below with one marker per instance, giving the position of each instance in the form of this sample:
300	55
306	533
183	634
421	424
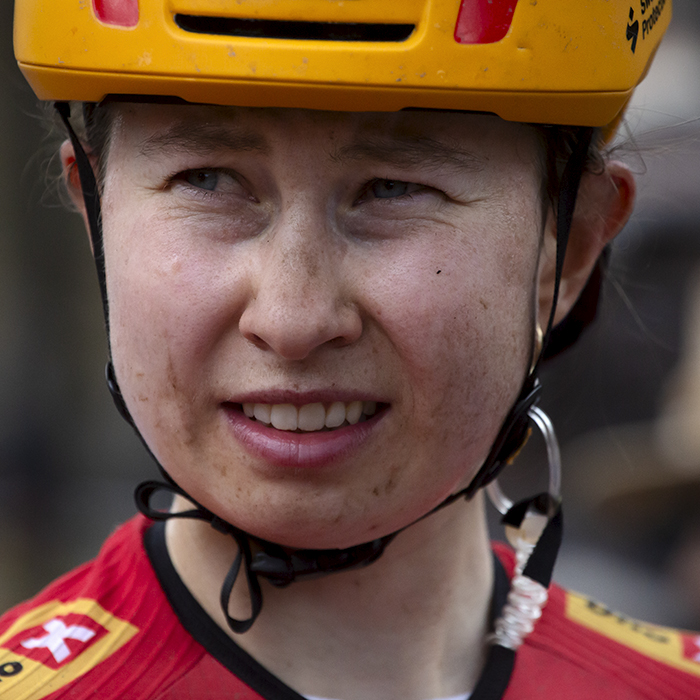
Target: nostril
257	341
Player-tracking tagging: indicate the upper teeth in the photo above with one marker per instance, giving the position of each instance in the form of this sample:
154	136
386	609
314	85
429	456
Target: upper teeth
311	416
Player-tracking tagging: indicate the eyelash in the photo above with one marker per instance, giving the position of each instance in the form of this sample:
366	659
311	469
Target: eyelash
414	188
181	177
366	192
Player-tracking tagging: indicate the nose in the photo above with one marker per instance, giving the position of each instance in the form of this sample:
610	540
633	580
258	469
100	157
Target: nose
300	300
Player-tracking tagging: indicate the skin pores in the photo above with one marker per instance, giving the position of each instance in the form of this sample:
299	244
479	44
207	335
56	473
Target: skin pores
282	257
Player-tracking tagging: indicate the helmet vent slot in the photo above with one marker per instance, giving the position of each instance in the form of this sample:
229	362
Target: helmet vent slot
284	29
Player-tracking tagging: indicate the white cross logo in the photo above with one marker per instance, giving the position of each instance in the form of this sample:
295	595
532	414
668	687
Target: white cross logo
696	656
54	640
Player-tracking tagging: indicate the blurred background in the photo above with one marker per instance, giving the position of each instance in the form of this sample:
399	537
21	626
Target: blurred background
625	401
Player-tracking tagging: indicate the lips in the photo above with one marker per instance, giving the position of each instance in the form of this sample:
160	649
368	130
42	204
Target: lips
304	435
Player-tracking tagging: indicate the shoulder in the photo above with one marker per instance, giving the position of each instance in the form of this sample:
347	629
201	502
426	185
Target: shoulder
582	650
104	625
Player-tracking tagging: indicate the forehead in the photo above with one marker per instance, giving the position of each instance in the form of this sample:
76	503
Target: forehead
424	136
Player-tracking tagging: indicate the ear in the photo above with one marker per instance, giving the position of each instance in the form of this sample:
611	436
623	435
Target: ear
603	206
71	177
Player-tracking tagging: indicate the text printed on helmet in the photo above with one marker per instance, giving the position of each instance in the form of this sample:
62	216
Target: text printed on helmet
651	12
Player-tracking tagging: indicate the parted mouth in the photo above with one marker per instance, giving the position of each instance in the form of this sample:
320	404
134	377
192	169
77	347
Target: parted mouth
311	417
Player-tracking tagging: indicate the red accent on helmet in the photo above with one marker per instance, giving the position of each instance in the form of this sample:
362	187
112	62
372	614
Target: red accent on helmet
484	21
123	13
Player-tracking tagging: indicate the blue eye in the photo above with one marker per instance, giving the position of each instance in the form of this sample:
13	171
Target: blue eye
384	189
203	179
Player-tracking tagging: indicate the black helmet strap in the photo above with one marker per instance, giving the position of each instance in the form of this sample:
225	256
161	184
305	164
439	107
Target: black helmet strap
91	197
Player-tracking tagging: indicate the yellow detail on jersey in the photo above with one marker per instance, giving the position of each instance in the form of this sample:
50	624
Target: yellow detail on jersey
26	678
668	646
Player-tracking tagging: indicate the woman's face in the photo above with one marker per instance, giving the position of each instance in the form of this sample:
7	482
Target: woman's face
290	264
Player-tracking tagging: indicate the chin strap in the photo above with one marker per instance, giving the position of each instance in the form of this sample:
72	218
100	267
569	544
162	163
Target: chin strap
534	528
280	565
514	430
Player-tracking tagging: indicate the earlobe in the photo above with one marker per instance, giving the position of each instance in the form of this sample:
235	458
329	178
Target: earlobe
603	206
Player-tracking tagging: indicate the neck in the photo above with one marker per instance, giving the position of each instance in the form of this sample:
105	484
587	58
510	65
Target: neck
414	621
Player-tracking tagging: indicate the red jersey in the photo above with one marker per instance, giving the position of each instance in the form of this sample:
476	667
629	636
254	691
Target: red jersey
124	627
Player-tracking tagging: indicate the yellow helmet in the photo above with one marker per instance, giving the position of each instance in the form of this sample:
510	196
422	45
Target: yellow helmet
545	61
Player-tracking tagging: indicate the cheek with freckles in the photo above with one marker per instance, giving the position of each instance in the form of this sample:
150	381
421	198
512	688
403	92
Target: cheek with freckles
459	314
171	303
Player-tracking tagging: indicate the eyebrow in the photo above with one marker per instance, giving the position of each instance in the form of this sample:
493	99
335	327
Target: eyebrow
185	137
400	151
410	151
